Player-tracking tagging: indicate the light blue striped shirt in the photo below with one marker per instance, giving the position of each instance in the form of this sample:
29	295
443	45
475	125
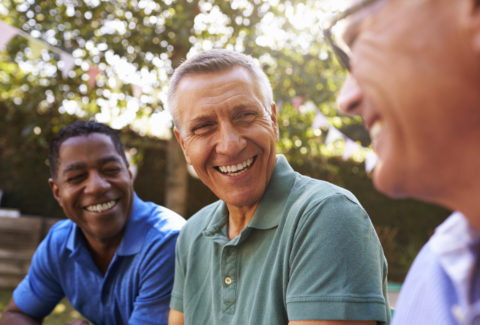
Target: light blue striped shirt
442	286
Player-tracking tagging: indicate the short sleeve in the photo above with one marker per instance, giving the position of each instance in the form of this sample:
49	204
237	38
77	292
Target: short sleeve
151	306
337	266
40	291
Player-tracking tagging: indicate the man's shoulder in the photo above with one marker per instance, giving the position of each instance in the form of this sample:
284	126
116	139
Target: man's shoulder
318	204
159	217
198	221
428	269
427	290
60	230
314	191
57	237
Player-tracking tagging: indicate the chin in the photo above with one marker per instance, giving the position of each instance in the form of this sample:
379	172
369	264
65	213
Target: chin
239	201
389	183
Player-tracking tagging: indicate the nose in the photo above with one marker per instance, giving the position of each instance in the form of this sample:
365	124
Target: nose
231	141
96	183
350	96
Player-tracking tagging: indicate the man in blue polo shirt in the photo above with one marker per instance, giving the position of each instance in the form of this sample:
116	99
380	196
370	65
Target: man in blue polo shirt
278	247
114	258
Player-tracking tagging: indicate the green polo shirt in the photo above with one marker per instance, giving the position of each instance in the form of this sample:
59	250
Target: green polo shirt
309	252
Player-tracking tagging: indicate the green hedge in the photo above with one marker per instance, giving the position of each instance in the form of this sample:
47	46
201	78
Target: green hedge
403	225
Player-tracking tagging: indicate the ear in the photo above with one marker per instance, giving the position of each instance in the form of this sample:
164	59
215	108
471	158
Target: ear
182	144
55	191
273	117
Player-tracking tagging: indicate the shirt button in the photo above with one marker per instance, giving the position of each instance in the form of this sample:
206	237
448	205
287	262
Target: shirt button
228	280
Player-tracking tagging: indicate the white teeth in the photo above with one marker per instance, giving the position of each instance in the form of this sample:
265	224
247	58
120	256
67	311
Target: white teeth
236	169
101	207
375	130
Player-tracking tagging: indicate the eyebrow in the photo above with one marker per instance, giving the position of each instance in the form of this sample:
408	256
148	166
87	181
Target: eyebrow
105	160
241	107
200	119
73	167
80	165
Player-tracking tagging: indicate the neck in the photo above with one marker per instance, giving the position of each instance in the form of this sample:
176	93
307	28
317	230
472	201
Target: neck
467	202
102	252
461	191
238	218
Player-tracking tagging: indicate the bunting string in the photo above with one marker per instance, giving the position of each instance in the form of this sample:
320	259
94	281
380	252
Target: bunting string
334	135
67	62
7	32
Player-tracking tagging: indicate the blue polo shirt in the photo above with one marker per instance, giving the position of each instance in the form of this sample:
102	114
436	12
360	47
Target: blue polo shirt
134	290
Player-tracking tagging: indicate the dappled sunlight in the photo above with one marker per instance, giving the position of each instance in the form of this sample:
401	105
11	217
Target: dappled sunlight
278	25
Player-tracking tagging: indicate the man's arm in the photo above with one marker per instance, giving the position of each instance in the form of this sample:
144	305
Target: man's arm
175	317
14	315
156	281
358	272
331	322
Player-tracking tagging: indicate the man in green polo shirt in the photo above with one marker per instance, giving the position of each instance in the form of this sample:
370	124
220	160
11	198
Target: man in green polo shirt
278	247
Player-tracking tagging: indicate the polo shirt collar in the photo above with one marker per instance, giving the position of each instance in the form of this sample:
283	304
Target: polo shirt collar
75	240
215	227
270	210
455	242
133	237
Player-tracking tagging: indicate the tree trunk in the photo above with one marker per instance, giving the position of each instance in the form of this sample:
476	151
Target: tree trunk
177	174
176	182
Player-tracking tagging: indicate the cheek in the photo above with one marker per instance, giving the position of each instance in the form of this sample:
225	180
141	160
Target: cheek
196	152
66	200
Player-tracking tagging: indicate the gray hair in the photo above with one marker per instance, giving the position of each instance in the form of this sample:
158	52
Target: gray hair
215	61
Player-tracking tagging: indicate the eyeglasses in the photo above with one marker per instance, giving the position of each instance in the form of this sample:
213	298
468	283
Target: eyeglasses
342	55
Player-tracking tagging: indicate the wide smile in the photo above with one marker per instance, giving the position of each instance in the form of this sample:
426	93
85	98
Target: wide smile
101	207
374	123
236	169
375	129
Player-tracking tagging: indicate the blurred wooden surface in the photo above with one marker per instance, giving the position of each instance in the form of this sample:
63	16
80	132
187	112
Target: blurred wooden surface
19	237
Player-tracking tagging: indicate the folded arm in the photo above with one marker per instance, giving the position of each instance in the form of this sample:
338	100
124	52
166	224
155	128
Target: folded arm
14	315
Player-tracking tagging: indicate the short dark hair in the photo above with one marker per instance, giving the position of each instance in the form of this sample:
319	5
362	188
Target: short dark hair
79	128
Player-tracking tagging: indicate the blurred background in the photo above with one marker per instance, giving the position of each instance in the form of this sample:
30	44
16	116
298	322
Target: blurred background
65	60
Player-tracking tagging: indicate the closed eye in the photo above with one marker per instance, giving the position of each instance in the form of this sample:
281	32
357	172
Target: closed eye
350	34
75	178
246	116
203	128
112	170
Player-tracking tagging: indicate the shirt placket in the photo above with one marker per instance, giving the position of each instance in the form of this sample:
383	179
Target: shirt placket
229	278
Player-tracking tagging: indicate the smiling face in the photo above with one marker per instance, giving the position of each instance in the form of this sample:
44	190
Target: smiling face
226	134
94	187
411	80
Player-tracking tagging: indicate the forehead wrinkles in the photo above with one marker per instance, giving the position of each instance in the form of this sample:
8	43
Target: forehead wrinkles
227	96
220	91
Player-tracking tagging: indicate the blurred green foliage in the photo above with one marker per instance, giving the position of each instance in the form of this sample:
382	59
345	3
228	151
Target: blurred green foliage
36	99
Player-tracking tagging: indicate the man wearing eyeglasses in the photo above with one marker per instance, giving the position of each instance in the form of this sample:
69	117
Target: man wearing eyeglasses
415	79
